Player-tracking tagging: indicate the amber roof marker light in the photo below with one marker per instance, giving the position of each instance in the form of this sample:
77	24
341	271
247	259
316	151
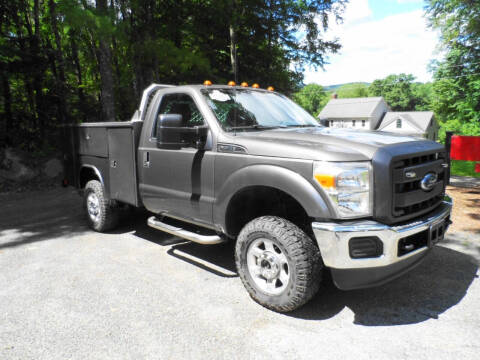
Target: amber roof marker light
255	86
231	83
270	88
207	83
244	84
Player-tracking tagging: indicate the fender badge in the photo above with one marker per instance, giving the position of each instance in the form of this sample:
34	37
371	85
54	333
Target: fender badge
410	174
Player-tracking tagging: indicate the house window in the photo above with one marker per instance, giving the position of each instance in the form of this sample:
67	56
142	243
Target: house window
399	123
363	123
331	123
353	123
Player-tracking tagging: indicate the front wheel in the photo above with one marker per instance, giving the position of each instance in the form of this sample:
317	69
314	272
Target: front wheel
280	266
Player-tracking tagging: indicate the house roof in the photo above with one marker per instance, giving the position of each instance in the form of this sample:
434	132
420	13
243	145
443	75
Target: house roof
418	119
351	108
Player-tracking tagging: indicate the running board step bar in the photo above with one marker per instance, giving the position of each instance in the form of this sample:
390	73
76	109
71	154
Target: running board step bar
184	234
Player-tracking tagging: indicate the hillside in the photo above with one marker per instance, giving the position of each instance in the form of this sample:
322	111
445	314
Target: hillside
336	86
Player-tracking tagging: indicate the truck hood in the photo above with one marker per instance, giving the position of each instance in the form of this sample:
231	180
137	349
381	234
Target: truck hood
319	143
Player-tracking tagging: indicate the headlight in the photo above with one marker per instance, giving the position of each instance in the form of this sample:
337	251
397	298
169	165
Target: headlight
347	185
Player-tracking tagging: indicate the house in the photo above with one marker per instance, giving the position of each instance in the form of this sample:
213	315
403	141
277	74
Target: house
359	113
373	113
416	123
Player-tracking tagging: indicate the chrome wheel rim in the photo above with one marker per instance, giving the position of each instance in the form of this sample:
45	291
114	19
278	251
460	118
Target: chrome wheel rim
93	207
268	266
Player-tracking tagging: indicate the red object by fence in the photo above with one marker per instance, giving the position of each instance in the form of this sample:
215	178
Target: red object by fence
465	148
477	167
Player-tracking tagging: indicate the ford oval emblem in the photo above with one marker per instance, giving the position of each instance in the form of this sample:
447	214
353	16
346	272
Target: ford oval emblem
428	182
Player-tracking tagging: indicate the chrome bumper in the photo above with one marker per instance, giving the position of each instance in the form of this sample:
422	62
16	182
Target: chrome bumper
333	239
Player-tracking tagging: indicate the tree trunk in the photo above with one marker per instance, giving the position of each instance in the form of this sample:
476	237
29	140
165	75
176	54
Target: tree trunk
60	79
78	69
104	55
7	105
233	51
233	38
37	81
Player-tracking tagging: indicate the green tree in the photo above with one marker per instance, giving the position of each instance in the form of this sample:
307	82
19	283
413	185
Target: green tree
312	98
397	90
423	93
456	89
76	60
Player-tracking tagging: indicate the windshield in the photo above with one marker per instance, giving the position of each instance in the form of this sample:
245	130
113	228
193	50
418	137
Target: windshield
246	109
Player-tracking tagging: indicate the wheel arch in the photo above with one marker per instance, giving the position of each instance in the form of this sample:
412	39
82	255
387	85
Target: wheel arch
89	172
260	178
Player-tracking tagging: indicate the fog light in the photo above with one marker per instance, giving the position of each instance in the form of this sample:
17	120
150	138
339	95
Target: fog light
365	247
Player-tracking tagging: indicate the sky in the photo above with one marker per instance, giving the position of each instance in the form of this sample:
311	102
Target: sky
378	38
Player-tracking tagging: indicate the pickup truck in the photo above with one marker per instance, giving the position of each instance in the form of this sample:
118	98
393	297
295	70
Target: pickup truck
216	163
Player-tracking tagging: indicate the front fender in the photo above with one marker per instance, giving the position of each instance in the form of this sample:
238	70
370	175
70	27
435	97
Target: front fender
276	177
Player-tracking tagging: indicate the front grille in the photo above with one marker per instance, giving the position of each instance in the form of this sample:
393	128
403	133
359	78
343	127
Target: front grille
398	171
409	199
418	207
415	160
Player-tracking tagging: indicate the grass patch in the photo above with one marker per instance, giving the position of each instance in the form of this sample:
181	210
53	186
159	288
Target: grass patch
464	168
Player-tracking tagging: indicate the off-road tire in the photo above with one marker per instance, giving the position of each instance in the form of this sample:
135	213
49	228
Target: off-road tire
108	216
304	262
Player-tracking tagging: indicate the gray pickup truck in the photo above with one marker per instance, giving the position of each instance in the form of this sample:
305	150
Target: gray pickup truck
231	163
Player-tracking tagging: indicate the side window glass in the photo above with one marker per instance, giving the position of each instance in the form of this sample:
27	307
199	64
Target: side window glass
179	104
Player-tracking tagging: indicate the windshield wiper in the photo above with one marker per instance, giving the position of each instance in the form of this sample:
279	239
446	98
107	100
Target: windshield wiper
256	127
303	126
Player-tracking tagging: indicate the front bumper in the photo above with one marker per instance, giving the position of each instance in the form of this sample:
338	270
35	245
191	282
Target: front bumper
349	273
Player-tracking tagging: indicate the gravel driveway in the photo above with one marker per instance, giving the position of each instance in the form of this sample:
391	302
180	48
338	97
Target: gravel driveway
67	292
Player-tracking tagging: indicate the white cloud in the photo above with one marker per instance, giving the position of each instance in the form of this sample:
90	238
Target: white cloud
356	11
373	49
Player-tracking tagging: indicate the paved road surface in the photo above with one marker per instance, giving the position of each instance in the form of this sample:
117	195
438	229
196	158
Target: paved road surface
69	293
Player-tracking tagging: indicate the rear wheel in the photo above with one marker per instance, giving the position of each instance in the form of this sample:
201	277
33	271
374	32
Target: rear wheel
101	216
280	266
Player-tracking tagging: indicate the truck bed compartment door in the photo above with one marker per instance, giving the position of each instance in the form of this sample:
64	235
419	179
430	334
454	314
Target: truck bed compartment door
92	141
123	178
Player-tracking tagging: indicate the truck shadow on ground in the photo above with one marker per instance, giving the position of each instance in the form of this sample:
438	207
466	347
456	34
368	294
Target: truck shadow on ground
437	284
217	259
430	289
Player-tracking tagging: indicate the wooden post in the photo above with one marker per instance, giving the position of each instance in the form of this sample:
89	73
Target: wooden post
448	144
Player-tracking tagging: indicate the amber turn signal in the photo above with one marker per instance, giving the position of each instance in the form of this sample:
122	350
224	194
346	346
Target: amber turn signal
270	88
327	181
256	86
207	83
231	83
244	84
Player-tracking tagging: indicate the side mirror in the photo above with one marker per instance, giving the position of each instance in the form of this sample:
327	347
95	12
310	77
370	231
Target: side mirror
169	134
172	135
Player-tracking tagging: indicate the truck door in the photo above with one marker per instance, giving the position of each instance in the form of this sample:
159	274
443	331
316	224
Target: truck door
177	182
